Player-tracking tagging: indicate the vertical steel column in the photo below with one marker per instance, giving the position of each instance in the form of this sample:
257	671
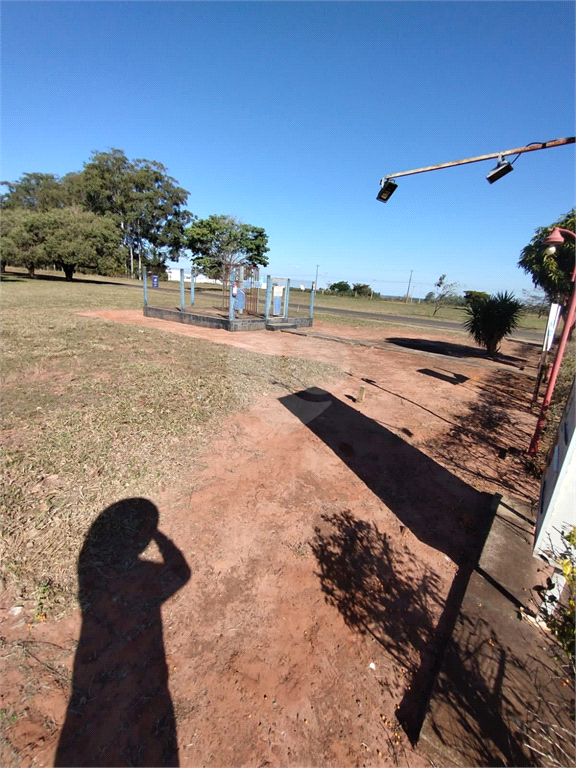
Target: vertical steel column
268	297
312	294
145	285
192	288
231	297
182	307
286	298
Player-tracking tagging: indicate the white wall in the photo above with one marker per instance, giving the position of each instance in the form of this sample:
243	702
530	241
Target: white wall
557	510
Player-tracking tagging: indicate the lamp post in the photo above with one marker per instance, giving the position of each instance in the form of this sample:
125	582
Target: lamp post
556	237
388	186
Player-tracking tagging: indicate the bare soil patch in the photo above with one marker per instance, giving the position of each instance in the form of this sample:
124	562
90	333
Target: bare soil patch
323	537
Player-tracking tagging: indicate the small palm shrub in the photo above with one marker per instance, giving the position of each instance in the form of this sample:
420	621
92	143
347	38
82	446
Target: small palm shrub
491	318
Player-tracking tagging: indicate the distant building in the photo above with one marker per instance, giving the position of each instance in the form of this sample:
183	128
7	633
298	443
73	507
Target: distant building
173	273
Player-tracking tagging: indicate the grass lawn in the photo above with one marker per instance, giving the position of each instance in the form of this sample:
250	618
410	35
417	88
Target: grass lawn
96	411
208	295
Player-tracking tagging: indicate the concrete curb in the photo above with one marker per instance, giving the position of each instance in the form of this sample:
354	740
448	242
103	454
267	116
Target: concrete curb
497	683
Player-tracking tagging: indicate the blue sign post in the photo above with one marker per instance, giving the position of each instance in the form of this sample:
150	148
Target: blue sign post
154	281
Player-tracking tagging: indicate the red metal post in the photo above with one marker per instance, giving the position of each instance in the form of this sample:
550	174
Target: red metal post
568	322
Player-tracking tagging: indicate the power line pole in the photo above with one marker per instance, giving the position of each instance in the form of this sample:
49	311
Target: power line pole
408	291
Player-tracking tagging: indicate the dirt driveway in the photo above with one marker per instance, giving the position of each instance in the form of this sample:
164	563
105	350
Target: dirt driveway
316	550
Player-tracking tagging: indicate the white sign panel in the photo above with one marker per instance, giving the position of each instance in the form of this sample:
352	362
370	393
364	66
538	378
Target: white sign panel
551	326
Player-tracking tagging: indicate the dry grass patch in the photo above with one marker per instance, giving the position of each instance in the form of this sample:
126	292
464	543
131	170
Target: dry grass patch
94	412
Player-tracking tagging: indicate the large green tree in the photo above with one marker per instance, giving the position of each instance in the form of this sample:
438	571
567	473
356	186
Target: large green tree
145	202
220	242
340	287
362	289
75	238
470	296
551	271
23	238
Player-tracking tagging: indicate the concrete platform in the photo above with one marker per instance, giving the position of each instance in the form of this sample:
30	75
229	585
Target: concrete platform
216	320
500	697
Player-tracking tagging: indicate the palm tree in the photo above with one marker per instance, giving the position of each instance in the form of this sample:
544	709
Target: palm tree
491	318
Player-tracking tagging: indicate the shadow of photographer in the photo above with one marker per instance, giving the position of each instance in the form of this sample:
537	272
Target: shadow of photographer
120	710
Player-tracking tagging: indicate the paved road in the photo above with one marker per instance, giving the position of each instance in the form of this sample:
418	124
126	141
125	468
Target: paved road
429	322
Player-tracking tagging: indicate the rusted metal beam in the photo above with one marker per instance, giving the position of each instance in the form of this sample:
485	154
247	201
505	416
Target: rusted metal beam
530	148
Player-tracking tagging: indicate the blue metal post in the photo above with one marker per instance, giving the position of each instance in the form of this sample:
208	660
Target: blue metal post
192	288
145	284
182	290
286	298
231	297
268	297
312	294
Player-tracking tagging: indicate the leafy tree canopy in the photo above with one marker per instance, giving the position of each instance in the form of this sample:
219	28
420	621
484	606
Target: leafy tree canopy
470	296
362	289
145	202
340	287
75	238
138	196
23	236
35	192
223	241
551	271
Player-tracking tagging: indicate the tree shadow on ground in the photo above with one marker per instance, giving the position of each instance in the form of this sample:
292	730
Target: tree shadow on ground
356	563
452	350
78	278
381	590
488	727
120	711
494	432
480	709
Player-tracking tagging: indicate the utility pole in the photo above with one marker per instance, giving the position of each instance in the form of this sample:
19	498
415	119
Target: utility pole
409	284
316	280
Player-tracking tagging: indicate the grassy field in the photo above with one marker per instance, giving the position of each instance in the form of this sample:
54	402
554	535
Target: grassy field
96	411
208	296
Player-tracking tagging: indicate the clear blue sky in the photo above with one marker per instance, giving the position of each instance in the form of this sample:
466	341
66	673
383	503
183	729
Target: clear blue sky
287	115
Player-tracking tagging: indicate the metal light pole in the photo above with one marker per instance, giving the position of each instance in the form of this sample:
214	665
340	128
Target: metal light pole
316	280
556	237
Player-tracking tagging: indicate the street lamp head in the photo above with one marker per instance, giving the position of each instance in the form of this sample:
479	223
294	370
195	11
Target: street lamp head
387	189
501	169
554	238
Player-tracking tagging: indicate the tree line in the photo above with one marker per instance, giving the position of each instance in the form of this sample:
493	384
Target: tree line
117	216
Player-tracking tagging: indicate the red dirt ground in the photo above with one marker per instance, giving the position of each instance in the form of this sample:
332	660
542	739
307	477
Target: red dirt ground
322	539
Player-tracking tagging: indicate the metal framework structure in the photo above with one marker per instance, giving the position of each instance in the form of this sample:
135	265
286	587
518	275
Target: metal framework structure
240	284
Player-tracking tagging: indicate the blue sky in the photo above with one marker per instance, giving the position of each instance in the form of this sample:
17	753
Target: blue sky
287	115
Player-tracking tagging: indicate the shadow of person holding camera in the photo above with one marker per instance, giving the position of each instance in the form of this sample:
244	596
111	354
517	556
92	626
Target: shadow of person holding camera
120	711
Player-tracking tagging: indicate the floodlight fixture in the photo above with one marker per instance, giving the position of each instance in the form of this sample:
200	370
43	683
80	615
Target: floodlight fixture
387	189
501	169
